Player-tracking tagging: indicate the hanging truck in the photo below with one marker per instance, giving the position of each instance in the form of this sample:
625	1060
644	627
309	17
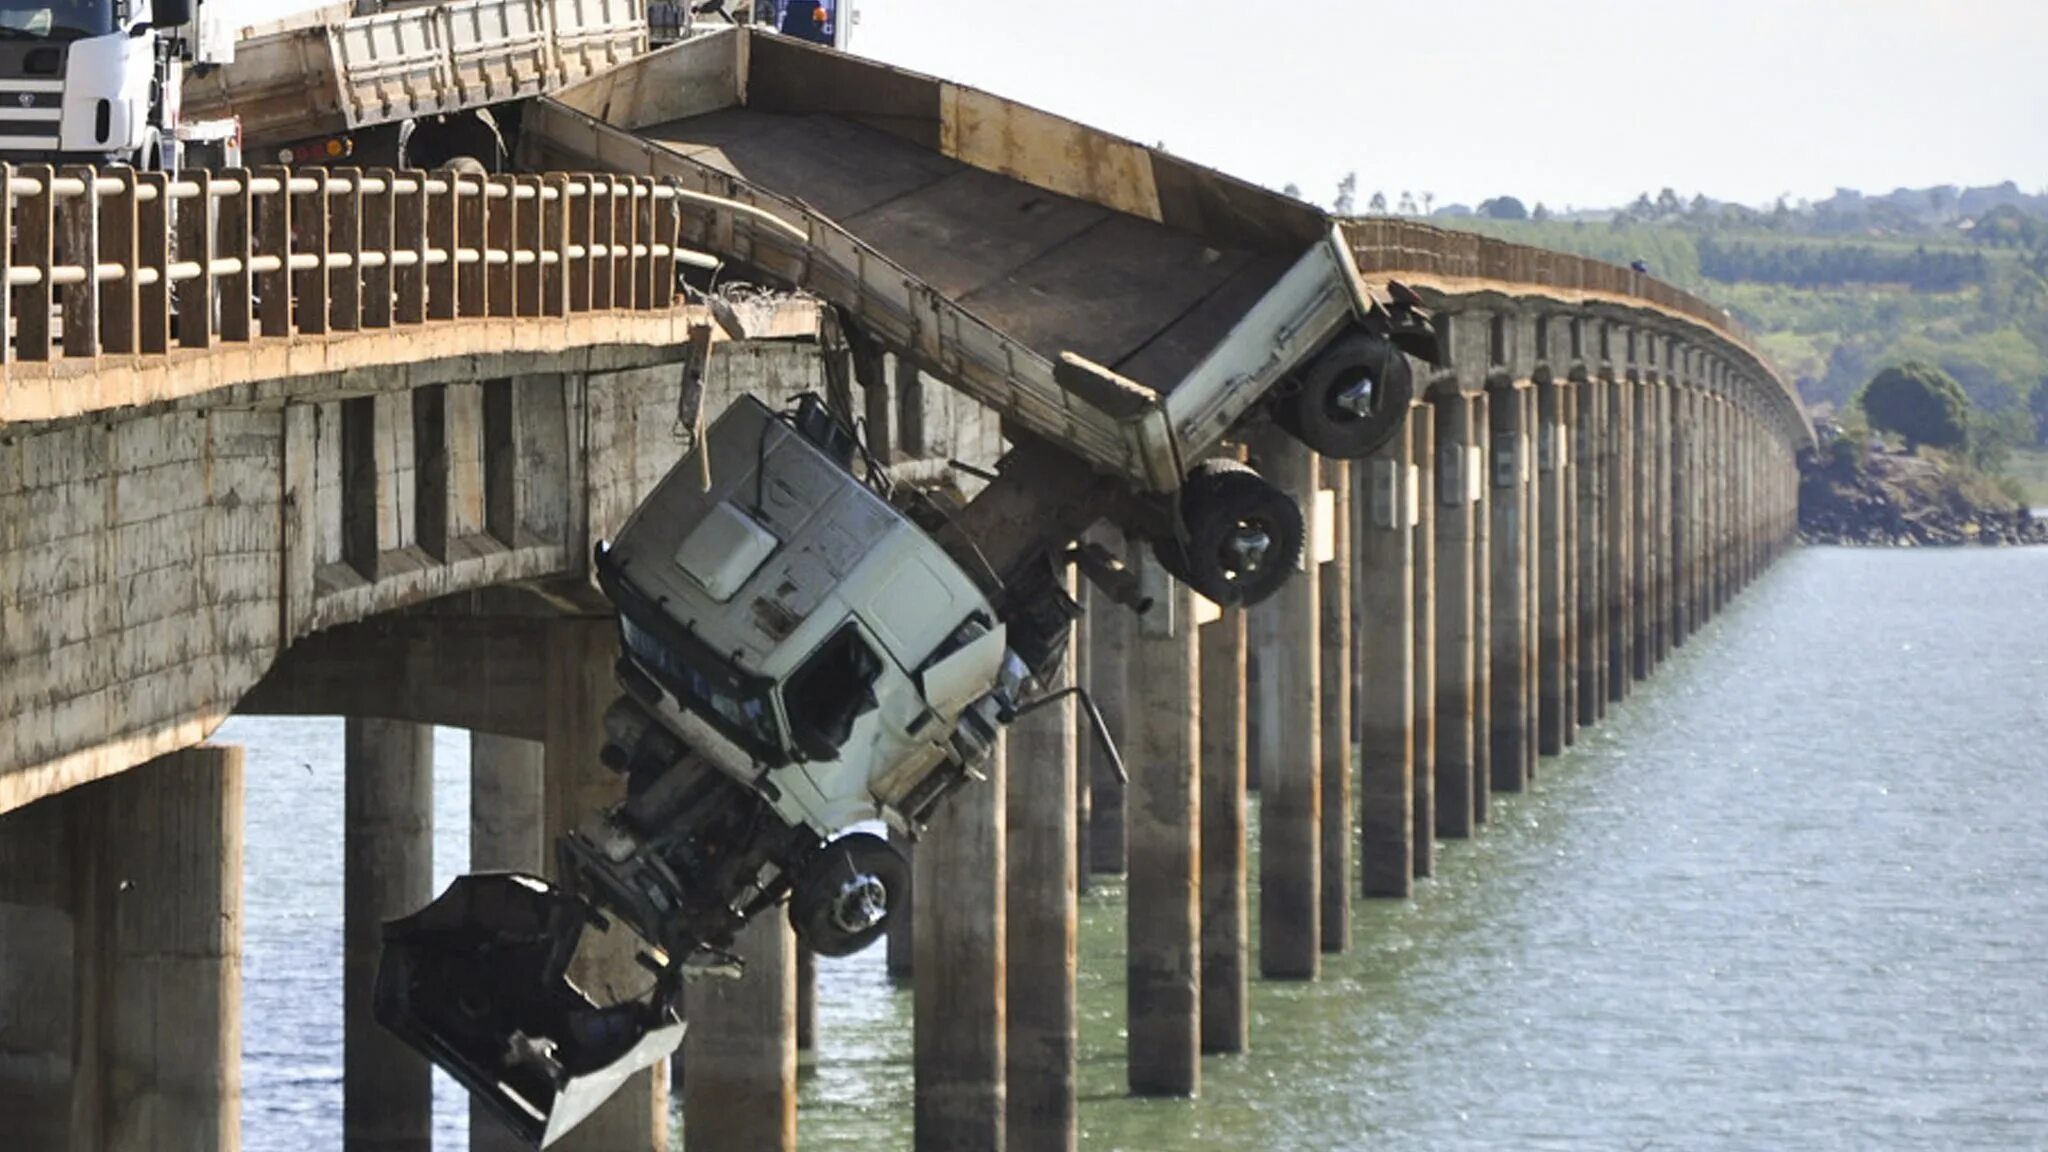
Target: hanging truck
807	645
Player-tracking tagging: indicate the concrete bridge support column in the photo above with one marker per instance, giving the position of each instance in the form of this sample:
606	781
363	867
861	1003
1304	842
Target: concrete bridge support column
1621	534
580	686
505	780
156	885
1226	1024
1641	488
1532	562
1386	637
1422	739
739	1094
1724	463
1290	795
388	871
1590	478
1334	577
1656	522
1040	900
1572	398
1668	533
899	945
1682	529
1085	742
1456	500
1510	544
1163	956
36	974
1109	643
1480	458
1552	397
806	1003
958	1050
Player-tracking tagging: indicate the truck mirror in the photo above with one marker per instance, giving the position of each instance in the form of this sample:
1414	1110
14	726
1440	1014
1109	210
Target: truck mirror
170	13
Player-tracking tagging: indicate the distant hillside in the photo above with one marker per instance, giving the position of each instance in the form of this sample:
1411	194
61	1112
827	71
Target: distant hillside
1837	289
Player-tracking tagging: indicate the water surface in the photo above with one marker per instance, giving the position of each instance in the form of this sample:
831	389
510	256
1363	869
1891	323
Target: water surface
1793	894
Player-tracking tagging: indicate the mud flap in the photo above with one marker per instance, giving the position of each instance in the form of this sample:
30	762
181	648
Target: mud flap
477	983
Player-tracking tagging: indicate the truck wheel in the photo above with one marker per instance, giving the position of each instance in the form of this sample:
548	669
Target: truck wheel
1352	399
844	897
1244	536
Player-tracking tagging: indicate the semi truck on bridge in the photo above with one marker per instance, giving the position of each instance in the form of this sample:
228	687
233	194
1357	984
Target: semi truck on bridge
809	643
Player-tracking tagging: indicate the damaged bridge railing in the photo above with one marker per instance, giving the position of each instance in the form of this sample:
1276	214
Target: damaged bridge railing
113	261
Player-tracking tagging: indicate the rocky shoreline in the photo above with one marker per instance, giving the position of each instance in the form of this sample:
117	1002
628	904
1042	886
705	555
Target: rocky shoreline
1883	500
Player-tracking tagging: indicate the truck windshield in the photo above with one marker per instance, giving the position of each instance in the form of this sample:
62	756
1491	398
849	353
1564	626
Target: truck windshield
730	700
57	19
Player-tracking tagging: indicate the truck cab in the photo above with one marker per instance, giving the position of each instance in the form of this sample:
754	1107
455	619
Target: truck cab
799	654
99	81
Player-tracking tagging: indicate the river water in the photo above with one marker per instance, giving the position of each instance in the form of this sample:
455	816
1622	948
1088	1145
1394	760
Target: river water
1793	894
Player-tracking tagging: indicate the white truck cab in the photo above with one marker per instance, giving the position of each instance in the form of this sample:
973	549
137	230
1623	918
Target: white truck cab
100	81
803	635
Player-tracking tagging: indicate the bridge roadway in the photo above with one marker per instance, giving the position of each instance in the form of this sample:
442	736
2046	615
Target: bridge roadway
360	473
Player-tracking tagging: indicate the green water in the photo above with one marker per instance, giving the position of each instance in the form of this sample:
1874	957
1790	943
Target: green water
1793	894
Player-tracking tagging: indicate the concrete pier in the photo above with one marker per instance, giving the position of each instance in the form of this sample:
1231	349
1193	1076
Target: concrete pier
1163	926
1226	1022
740	1092
1531	562
1589	475
1510	559
1642	555
1422	611
506	776
1574	398
1085	741
388	871
1386	599
156	876
1109	643
36	973
1621	528
1334	631
1482	602
958	1049
1552	446
1290	790
580	685
900	944
1041	868
806	1002
1455	501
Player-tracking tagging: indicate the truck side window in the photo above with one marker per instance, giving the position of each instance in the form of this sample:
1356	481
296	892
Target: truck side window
834	688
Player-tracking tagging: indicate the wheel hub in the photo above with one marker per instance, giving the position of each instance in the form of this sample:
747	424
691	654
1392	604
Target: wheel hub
1357	399
1245	550
860	904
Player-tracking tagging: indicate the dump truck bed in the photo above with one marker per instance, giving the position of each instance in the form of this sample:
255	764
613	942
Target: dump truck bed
988	238
295	83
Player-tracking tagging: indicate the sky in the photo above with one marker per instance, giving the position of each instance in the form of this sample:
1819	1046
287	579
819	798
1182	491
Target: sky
1569	102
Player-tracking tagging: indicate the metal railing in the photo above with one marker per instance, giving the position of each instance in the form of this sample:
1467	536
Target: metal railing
1396	246
106	262
1389	245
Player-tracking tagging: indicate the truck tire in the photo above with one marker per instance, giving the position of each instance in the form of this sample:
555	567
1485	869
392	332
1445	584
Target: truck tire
1244	536
844	896
1352	400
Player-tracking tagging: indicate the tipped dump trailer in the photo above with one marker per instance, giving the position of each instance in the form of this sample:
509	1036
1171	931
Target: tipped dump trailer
808	642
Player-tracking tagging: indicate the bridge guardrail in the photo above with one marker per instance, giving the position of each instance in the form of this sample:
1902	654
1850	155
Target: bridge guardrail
119	262
1389	245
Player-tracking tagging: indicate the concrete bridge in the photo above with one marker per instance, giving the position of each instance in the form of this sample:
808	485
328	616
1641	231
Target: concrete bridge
339	443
